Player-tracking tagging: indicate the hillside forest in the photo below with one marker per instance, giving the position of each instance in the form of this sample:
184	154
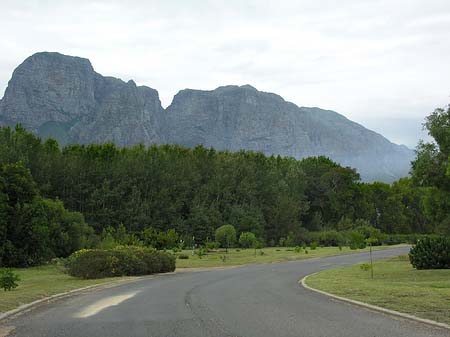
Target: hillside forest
55	200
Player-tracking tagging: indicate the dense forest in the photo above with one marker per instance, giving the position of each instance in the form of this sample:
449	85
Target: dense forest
55	200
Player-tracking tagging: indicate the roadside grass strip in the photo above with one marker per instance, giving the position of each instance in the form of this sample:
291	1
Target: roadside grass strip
396	286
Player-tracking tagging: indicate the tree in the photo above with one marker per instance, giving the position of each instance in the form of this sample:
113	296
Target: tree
226	236
247	239
431	169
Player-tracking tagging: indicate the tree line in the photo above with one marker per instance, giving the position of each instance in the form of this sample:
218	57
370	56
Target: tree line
79	194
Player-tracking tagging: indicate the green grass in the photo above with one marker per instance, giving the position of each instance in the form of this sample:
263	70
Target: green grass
247	256
396	285
39	282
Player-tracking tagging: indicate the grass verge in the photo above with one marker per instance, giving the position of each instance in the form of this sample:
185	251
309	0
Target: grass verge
396	285
236	257
40	282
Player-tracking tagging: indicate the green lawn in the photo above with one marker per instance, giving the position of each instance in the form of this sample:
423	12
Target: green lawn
247	256
396	285
39	282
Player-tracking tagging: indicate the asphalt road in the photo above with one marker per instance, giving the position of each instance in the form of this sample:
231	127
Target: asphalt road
252	301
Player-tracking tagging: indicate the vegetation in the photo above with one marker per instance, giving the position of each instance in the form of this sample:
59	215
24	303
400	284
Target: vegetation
247	240
431	253
33	229
226	236
396	285
8	279
120	261
55	201
42	281
236	257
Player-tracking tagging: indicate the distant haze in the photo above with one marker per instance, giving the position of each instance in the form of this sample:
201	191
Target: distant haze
382	63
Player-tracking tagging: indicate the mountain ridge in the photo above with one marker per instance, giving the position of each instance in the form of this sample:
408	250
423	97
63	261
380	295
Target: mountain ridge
62	96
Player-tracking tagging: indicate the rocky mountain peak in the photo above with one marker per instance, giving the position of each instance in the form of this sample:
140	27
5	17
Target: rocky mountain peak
63	97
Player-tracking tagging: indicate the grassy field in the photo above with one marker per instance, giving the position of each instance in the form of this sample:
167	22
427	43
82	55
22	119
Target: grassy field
266	255
396	285
39	282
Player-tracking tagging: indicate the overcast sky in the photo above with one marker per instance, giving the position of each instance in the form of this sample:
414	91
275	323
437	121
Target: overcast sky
384	64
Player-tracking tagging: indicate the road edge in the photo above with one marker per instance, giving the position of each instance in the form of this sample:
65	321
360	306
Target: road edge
113	283
28	306
435	324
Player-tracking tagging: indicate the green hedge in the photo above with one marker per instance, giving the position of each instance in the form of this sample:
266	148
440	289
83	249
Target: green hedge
431	253
120	261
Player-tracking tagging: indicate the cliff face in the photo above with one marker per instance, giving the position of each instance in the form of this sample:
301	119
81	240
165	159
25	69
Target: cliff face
237	118
63	97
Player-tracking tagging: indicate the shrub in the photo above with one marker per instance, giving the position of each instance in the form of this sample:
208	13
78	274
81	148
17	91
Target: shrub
183	257
226	236
120	261
298	249
8	280
313	245
431	253
247	239
356	240
200	252
364	266
211	245
327	238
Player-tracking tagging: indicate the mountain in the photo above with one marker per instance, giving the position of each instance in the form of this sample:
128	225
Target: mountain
62	96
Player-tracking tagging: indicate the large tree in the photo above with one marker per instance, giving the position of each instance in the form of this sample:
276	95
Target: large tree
431	169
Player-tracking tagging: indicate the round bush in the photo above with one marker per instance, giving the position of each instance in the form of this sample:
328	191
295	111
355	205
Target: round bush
120	261
431	253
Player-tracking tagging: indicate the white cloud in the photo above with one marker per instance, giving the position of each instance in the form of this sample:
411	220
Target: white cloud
382	61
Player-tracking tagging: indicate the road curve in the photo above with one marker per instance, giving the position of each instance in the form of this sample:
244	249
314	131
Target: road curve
251	301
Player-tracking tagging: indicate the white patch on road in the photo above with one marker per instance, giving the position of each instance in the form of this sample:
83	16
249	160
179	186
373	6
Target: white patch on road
98	306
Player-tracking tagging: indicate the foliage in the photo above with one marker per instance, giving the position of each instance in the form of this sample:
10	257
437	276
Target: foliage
120	261
313	245
226	236
431	169
201	252
183	256
33	229
247	239
364	266
212	245
356	240
431	253
160	196
8	279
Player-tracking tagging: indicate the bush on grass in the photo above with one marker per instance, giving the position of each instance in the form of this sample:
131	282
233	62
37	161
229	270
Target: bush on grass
431	253
8	279
247	240
119	261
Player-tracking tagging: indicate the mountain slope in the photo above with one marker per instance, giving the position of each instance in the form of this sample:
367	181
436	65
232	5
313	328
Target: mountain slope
235	118
63	97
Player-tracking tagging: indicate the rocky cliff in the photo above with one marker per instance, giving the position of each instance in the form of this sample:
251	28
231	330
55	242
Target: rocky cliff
63	97
235	118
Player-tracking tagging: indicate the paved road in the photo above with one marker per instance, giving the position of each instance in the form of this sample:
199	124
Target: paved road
254	301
